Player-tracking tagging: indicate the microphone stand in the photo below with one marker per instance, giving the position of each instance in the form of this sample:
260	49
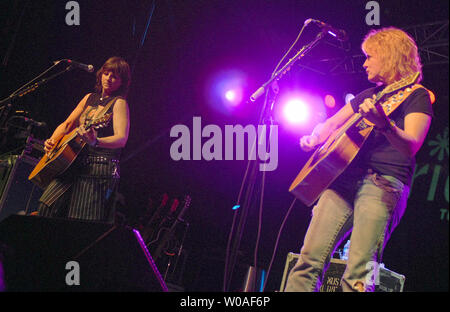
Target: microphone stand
265	116
282	71
29	87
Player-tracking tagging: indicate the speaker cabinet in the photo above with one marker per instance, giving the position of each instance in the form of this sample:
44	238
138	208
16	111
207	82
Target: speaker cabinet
39	255
17	194
388	281
331	280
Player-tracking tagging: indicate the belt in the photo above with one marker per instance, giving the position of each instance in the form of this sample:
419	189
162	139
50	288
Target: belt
90	159
98	159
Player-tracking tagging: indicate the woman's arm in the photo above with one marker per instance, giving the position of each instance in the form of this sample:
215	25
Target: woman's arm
407	141
323	130
410	140
121	119
68	125
121	126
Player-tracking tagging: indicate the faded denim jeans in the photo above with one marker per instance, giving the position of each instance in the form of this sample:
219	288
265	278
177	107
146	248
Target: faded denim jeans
379	204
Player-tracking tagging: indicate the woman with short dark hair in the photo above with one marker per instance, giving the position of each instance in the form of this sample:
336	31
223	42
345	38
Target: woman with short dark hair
86	189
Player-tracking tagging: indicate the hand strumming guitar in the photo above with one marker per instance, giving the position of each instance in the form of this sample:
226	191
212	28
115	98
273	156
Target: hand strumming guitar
48	145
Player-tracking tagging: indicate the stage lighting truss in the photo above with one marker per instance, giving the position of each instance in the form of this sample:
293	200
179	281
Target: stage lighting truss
431	38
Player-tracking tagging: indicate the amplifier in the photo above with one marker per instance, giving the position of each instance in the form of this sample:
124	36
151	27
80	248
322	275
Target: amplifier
386	281
17	194
332	279
389	281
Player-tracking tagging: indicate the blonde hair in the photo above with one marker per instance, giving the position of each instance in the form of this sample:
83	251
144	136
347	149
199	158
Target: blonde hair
397	50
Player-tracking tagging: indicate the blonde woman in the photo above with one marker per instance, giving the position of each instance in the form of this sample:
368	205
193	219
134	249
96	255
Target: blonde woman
368	200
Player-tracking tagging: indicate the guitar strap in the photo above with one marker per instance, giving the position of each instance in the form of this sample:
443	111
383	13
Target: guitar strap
107	106
394	101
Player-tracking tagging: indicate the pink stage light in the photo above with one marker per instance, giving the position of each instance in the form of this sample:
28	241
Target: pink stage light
299	111
330	101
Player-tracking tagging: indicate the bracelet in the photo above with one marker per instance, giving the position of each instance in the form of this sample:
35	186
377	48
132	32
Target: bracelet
95	144
388	128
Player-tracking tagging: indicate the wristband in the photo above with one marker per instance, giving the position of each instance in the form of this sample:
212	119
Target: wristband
95	144
388	128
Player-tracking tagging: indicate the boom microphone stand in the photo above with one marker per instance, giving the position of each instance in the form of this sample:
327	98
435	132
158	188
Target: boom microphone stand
31	86
250	175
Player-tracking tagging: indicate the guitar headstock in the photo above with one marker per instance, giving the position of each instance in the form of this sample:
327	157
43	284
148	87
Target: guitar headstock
187	201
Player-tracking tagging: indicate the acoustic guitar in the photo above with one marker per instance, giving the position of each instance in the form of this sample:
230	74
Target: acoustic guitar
342	146
63	154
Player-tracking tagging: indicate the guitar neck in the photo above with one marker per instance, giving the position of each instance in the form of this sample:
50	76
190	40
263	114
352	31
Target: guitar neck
74	131
350	123
357	116
70	136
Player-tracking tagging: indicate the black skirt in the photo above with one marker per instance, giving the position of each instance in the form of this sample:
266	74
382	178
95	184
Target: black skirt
85	191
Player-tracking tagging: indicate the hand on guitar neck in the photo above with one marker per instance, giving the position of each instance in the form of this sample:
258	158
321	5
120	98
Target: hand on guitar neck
373	112
89	135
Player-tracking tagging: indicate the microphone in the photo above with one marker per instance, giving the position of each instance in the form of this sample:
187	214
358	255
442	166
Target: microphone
88	68
34	122
339	34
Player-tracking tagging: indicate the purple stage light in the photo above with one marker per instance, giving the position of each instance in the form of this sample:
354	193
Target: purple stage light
230	95
349	97
225	90
233	96
296	111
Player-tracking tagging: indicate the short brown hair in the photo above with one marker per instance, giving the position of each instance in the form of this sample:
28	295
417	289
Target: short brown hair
120	68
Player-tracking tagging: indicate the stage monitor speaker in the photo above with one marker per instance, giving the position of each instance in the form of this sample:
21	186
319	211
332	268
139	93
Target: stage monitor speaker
17	194
388	281
46	254
331	280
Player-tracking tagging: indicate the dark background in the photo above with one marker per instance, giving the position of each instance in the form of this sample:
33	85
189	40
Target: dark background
174	52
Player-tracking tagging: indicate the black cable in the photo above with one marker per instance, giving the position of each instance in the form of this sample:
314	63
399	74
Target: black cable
228	270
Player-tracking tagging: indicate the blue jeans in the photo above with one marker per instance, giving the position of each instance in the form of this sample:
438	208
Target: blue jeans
378	206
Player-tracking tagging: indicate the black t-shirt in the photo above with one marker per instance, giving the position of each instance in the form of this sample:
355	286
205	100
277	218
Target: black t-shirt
377	153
